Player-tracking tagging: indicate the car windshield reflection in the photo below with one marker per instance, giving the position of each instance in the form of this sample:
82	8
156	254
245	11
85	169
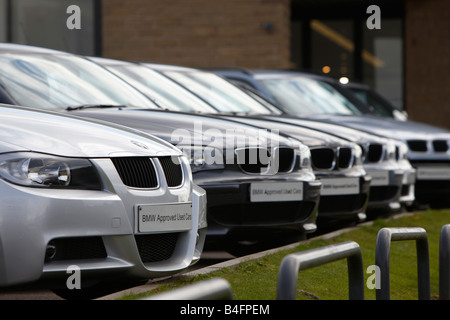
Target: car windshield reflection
218	92
307	96
166	93
59	81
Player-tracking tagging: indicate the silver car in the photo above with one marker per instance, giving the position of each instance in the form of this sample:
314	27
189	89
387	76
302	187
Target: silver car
321	106
230	160
428	147
113	203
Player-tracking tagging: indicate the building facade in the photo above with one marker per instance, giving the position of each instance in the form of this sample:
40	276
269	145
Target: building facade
403	51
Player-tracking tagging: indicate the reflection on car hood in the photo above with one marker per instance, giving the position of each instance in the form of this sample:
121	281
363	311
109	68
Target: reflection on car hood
333	128
404	130
178	128
309	137
24	129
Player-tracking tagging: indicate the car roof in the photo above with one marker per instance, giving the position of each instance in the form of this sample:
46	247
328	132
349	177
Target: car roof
357	85
108	61
168	67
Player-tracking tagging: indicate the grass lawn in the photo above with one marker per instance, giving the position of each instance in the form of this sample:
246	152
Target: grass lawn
257	279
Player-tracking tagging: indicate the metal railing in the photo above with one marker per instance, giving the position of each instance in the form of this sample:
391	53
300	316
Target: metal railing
382	252
293	263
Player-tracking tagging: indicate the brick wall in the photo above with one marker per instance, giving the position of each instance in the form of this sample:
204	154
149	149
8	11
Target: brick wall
427	61
198	33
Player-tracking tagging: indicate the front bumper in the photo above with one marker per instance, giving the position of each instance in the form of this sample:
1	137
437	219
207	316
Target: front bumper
385	187
432	182
233	215
343	198
93	230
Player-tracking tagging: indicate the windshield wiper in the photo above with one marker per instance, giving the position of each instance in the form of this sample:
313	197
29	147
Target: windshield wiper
88	106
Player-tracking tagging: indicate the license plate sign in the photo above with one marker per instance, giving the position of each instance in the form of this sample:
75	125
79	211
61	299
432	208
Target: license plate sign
433	173
339	186
276	191
164	217
379	178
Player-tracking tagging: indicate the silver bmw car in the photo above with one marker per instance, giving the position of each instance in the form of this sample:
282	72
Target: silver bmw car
112	202
230	160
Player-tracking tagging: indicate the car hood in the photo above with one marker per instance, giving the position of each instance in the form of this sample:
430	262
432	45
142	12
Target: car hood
329	127
23	129
309	137
382	126
183	129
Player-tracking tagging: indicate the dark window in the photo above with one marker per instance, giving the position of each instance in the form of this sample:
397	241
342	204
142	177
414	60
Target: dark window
43	23
332	38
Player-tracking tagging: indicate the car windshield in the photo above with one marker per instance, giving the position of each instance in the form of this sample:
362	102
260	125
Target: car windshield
300	95
165	92
218	92
58	81
379	106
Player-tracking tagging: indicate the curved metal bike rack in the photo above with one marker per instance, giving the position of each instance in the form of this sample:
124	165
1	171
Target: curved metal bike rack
444	263
382	251
293	263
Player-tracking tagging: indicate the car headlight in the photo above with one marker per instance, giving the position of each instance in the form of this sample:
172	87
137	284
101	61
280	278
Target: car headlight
46	171
203	158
